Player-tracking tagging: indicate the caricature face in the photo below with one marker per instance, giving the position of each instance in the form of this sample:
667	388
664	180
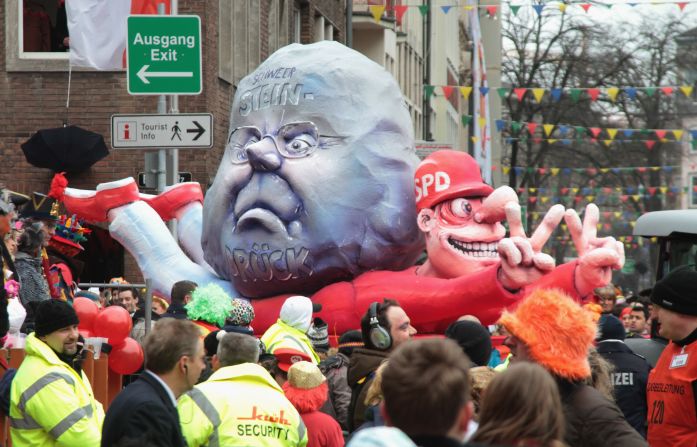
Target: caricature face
315	181
456	244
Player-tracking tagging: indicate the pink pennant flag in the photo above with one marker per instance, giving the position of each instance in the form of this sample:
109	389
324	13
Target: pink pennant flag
591	171
593	93
595	131
520	93
642	169
542	170
681	5
586	6
564	191
652	190
532	199
532	127
447	91
667	90
624	198
661	134
399	11
491	10
650	144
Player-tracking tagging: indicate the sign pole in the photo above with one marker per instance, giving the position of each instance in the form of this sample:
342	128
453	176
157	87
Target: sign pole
173	153
162	109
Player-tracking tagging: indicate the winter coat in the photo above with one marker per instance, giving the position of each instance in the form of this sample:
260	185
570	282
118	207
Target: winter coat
592	420
630	378
360	375
335	369
322	430
33	285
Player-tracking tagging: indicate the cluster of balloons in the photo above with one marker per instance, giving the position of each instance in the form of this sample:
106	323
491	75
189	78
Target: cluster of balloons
113	323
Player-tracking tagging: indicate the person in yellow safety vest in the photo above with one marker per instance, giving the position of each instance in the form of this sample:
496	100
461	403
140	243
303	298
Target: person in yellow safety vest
51	400
290	331
240	404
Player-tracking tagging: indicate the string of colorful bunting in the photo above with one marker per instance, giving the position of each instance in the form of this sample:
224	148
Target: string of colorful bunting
377	11
555	94
590	171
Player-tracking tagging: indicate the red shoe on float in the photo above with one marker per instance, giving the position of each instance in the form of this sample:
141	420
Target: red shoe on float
173	198
94	206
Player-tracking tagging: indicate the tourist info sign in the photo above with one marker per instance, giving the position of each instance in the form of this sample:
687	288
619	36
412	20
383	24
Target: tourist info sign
162	131
164	55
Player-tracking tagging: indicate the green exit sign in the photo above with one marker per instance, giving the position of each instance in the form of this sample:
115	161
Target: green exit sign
164	55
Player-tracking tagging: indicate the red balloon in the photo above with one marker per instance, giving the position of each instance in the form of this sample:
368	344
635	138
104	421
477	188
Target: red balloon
127	358
87	311
114	323
86	333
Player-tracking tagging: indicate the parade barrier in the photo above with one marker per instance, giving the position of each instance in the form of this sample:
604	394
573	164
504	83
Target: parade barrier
106	384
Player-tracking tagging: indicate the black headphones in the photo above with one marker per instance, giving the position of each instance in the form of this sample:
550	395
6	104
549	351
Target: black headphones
379	337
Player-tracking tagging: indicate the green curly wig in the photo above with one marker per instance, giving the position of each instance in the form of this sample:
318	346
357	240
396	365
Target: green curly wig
210	304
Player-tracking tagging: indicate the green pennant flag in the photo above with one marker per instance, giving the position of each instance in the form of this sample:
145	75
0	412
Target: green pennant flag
645	132
514	9
503	92
694	144
466	120
580	131
650	91
516	126
575	94
524	140
428	90
423	9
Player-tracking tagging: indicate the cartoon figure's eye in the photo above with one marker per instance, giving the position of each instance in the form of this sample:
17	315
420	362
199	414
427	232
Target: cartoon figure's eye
461	207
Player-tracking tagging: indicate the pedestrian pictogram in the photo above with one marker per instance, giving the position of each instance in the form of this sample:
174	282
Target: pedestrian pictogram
176	131
164	55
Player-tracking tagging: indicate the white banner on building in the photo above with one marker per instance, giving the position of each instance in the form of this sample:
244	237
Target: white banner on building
481	117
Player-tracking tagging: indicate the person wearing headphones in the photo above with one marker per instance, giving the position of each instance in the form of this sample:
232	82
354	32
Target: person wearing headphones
384	327
145	412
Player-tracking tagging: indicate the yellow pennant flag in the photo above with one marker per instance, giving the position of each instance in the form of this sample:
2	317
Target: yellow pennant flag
562	7
612	93
612	133
599	226
678	134
482	121
552	140
548	128
465	91
655	168
686	90
618	214
574	190
632	224
532	190
554	171
607	143
377	11
469	8
663	189
618	189
538	93
474	139
506	170
636	197
620	238
544	199
604	170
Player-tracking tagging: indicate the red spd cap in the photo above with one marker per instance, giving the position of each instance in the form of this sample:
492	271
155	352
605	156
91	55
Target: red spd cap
445	175
286	357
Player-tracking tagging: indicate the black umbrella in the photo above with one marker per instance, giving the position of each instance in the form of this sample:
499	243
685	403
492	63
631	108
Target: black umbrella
70	149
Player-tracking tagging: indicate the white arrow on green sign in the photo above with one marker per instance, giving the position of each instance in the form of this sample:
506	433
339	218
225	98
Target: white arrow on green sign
164	55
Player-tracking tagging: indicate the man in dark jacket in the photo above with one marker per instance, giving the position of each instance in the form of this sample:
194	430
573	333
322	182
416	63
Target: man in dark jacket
335	369
631	372
384	327
181	295
145	412
550	329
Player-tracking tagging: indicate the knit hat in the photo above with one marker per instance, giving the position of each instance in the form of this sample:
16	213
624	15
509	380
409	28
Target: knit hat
242	313
287	357
473	338
306	387
319	335
52	315
677	291
349	340
557	332
297	312
611	328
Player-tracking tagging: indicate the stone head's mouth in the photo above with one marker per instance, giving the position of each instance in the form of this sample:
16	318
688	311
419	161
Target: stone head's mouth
475	249
256	218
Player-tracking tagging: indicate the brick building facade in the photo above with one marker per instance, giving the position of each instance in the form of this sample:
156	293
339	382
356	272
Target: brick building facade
236	36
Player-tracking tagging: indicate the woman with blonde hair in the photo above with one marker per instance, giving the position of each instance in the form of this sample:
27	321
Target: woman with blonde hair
521	407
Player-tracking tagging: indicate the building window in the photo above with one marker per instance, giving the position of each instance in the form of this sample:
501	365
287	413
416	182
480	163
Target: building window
42	31
239	48
318	28
297	25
